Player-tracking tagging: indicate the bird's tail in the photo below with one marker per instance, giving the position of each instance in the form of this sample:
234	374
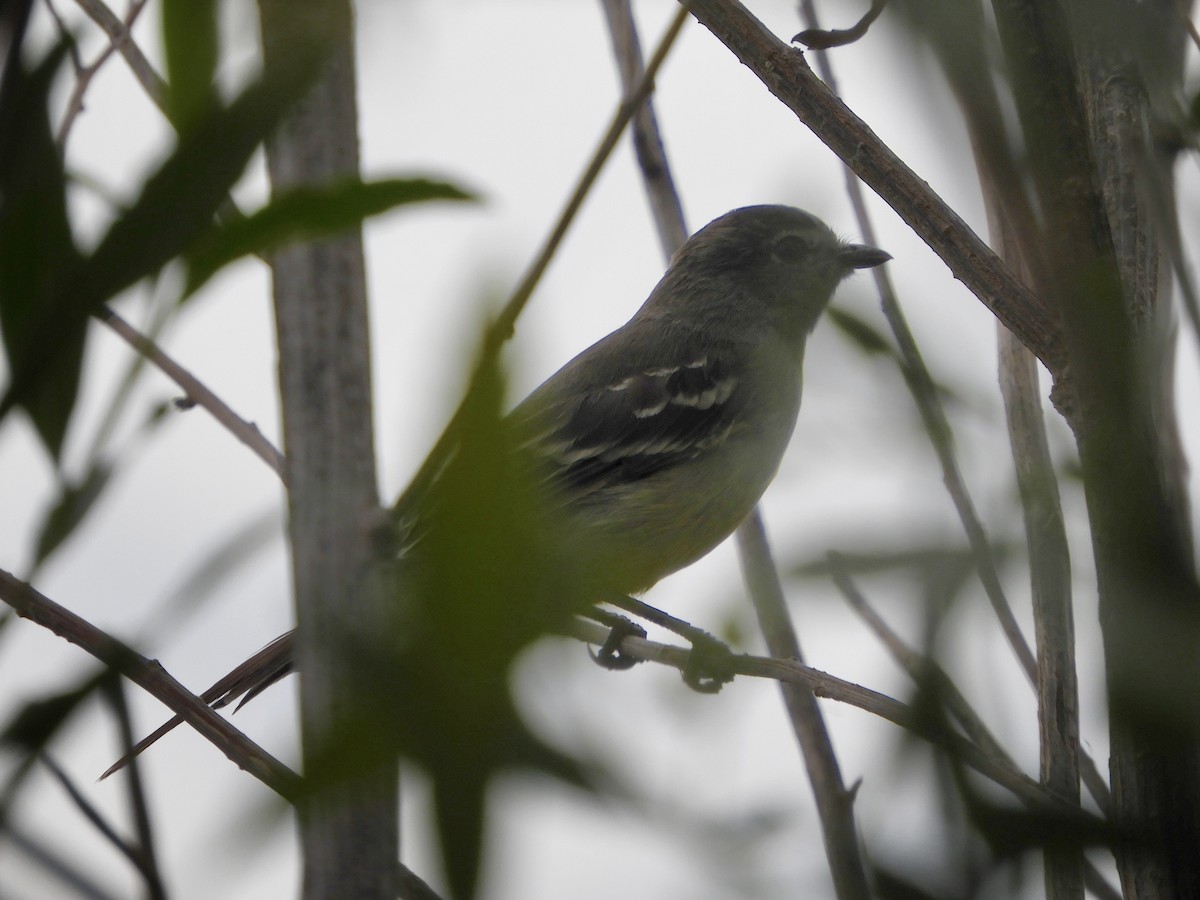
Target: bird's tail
251	678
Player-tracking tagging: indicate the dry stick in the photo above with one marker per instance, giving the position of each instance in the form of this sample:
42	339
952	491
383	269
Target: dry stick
138	803
246	432
138	856
920	668
834	803
830	687
1014	223
244	753
1054	674
119	40
77	879
118	33
784	71
348	824
502	328
925	671
1050	579
924	393
652	159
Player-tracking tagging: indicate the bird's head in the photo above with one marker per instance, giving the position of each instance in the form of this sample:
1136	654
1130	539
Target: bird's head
776	263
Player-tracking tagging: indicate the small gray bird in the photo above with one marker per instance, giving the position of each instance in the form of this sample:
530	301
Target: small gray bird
656	442
661	438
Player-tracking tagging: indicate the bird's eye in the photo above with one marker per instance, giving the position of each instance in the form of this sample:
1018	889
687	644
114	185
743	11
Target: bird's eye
791	248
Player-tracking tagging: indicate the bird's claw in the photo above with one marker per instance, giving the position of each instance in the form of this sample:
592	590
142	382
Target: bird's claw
610	655
710	664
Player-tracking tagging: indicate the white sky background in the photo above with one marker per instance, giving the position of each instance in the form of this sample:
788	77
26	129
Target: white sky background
509	99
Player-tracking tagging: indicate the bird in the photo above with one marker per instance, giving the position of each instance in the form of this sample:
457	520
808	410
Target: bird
653	444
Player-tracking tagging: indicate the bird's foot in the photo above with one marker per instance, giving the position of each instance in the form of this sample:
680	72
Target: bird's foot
610	655
710	663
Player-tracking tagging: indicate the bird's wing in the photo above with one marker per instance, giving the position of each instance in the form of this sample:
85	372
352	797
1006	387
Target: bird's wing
613	417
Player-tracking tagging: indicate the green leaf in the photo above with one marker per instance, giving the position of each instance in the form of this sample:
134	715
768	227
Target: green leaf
73	505
306	213
37	253
860	333
176	205
34	725
179	201
191	48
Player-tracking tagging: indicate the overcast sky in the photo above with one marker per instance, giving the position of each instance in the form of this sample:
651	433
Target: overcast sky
509	99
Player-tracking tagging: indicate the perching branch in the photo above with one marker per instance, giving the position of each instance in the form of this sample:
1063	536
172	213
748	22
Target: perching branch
785	72
149	675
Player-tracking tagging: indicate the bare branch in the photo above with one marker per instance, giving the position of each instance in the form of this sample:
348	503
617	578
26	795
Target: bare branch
835	804
502	328
120	40
244	753
831	687
141	861
197	392
118	32
784	71
665	205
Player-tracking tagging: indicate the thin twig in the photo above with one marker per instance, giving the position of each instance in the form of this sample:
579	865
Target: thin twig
1050	581
77	880
147	857
65	33
118	33
834	803
925	672
502	328
937	426
197	392
784	71
34	606
135	855
816	38
665	205
830	687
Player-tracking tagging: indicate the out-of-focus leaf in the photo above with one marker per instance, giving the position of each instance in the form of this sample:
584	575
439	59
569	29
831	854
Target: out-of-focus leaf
176	205
178	202
36	723
862	334
309	212
75	501
490	587
191	48
37	253
483	581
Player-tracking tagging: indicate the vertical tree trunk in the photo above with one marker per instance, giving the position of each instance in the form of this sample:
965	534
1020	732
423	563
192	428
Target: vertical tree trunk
348	825
1083	78
1129	55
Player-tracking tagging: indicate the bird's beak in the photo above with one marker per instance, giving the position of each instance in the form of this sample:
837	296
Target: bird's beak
860	256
